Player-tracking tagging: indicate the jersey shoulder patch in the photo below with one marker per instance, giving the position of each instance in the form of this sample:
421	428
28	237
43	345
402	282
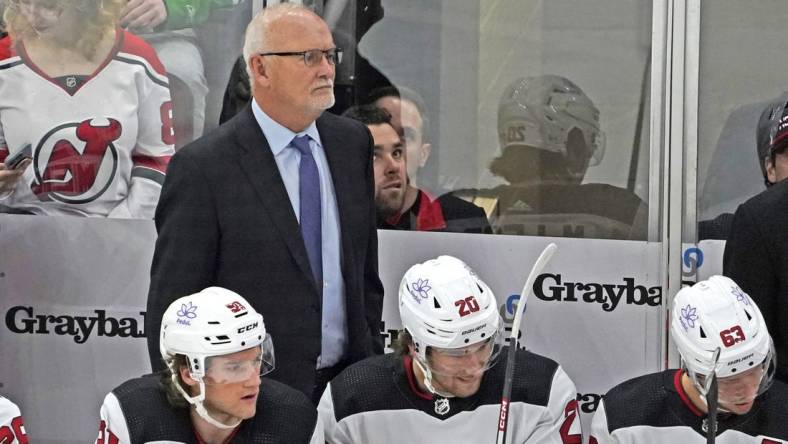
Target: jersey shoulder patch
135	45
6	48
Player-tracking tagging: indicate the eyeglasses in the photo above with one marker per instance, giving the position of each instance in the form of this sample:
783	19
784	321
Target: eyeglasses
312	57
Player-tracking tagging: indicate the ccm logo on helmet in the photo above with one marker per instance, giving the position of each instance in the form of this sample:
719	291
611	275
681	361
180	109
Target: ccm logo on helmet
247	328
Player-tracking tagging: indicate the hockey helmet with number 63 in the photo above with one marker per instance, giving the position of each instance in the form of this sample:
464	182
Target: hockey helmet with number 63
716	313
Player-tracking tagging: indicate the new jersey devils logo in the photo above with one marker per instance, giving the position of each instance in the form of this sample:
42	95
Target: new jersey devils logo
76	162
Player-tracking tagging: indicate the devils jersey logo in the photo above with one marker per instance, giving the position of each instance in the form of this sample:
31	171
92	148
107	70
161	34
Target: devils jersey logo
76	162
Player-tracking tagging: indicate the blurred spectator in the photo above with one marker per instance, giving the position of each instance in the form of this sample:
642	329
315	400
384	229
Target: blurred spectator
94	112
549	134
772	160
355	76
756	254
420	210
349	22
168	25
12	426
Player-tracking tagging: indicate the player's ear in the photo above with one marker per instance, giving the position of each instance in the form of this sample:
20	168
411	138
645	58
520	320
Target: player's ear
771	173
186	376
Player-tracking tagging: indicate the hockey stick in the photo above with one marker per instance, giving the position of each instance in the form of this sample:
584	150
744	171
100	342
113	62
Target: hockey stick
503	415
711	401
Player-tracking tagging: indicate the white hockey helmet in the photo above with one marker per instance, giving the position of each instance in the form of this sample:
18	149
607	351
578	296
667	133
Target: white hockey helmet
716	313
444	304
541	111
211	323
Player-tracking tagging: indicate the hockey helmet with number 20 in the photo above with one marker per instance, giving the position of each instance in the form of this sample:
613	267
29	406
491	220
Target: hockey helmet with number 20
443	304
717	313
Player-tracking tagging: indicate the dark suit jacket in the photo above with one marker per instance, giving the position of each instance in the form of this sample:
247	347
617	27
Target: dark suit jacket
756	258
224	219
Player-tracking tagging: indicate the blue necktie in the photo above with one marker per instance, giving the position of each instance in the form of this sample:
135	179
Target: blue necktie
310	213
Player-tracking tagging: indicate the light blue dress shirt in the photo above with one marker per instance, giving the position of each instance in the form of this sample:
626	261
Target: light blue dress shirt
334	316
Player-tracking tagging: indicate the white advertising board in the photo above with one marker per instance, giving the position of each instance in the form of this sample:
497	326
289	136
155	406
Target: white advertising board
73	292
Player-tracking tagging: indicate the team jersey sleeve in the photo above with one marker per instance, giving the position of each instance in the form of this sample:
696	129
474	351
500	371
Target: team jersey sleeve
318	435
113	428
335	433
600	433
12	426
155	139
3	155
560	423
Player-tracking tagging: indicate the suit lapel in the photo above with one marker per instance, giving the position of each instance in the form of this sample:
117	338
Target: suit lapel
333	146
257	162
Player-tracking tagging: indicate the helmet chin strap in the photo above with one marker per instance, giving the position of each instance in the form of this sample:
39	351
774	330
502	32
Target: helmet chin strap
425	369
197	402
702	395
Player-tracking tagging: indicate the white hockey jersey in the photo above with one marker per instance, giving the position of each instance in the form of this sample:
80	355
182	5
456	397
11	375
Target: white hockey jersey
12	427
100	143
655	409
376	401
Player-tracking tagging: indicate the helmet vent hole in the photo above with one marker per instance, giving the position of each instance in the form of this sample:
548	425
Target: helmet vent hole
207	338
243	343
702	333
241	314
733	370
223	339
749	316
467	340
213	322
435	301
481	290
751	364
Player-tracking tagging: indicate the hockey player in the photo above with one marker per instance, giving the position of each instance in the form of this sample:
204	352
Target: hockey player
216	349
549	134
90	102
444	382
671	406
12	427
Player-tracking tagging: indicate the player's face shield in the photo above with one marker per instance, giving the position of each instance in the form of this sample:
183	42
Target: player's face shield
736	394
465	361
237	367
